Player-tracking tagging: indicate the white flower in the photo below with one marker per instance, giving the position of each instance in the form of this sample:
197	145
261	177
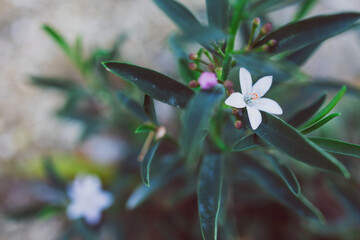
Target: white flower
251	98
88	199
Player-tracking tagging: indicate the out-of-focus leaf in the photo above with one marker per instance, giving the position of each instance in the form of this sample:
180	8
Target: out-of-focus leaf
197	117
218	13
146	162
145	128
270	5
149	108
306	113
132	106
259	67
248	142
304	8
272	183
299	57
152	83
58	39
336	146
319	124
77	53
312	30
53	175
326	109
56	83
286	173
287	139
209	195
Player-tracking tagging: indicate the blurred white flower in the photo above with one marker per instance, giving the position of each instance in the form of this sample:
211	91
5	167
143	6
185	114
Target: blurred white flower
88	199
251	98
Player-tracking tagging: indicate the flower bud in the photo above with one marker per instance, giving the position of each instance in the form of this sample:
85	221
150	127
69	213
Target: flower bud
265	48
192	66
160	132
272	43
230	91
238	124
193	84
193	56
235	112
207	80
228	84
211	67
256	22
266	28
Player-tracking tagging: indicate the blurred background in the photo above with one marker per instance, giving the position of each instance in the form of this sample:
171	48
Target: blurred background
29	128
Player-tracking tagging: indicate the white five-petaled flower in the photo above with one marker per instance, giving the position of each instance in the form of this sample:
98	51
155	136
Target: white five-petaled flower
88	199
251	98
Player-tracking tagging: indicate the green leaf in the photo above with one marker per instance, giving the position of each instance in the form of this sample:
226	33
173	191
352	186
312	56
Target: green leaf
149	108
52	174
312	30
132	106
145	128
56	83
152	83
272	183
336	146
266	6
248	142
286	173
218	13
58	39
299	57
209	195
197	117
145	164
77	53
305	7
326	109
287	139
319	124
306	113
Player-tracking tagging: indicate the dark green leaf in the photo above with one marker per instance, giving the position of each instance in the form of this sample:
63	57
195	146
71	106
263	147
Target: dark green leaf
319	124
52	174
305	7
197	117
152	83
265	6
58	39
287	139
56	83
149	108
145	128
313	30
306	113
218	13
336	146
145	164
248	142
272	183
299	57
286	173
327	108
132	106
209	195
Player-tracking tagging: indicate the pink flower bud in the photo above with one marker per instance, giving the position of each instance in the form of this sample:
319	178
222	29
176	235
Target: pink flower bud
228	84
207	80
193	84
266	28
193	56
238	124
256	22
192	66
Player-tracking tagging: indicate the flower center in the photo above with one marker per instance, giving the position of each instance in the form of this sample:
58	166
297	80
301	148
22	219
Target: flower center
249	97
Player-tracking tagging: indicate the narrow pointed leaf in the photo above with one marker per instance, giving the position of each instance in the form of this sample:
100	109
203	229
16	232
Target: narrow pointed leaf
248	142
270	5
56	83
299	57
152	83
320	123
327	108
209	195
58	39
146	163
197	117
304	9
336	146
306	113
289	140
272	183
218	13
312	30
132	106
286	173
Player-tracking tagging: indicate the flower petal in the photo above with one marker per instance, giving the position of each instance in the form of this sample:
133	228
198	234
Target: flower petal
262	86
245	80
235	100
268	105
254	117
